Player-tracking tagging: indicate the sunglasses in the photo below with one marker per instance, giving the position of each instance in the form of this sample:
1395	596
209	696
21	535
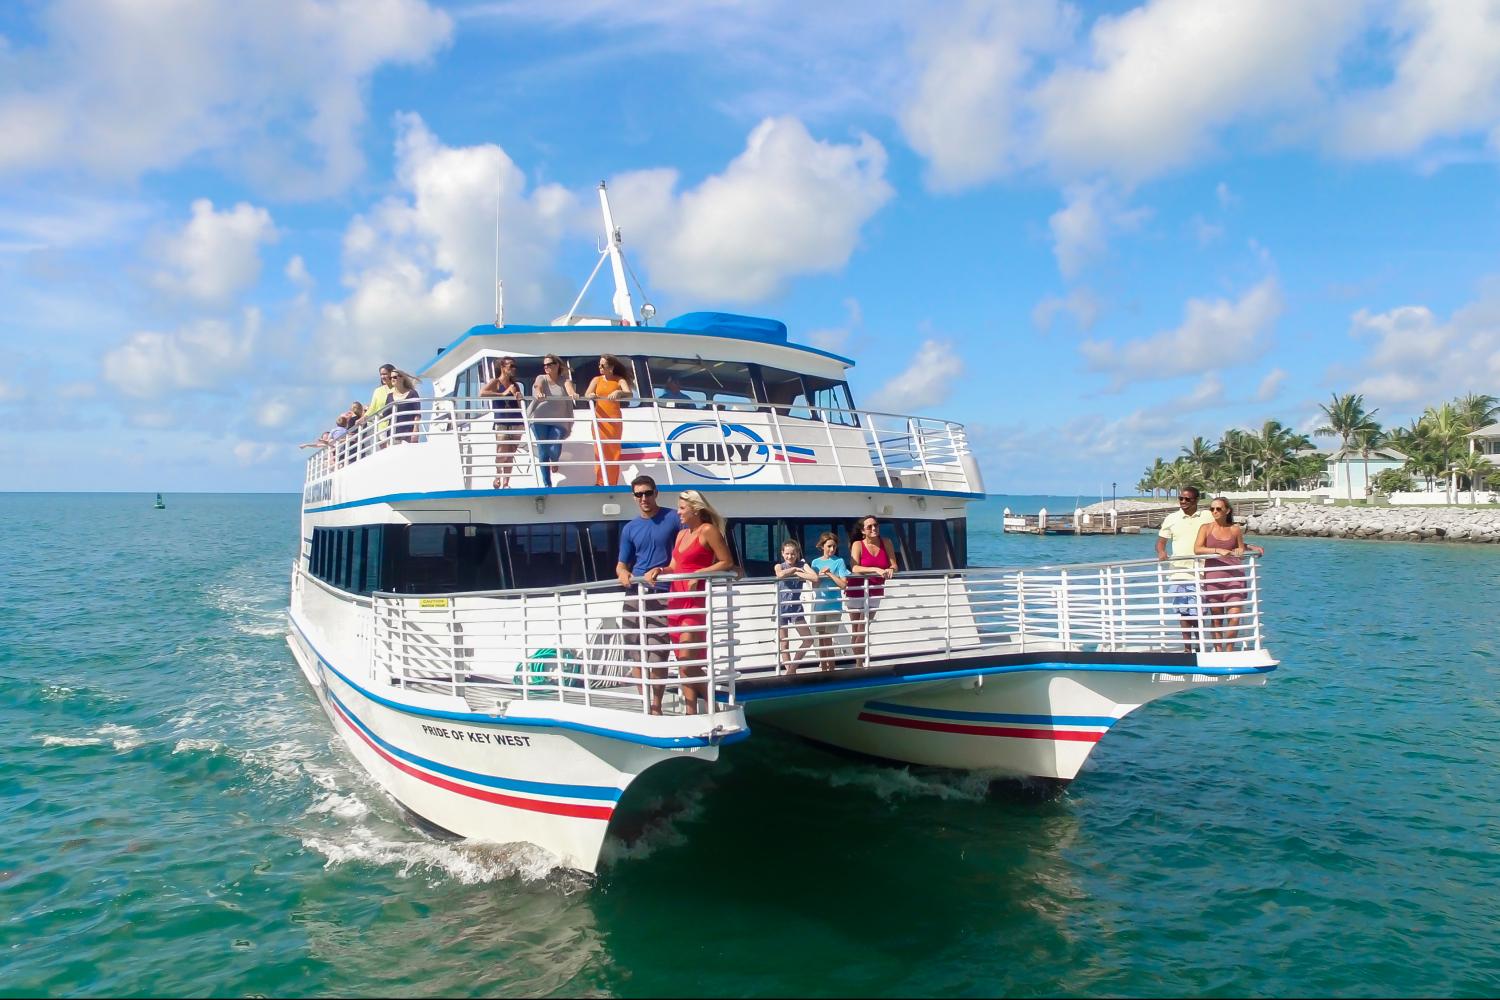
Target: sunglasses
1219	510
642	496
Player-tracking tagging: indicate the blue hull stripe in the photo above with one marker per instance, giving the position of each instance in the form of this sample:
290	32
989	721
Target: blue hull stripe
744	697
665	488
472	718
601	792
1024	720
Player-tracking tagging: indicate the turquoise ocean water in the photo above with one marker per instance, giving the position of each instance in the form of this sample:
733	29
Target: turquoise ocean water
179	819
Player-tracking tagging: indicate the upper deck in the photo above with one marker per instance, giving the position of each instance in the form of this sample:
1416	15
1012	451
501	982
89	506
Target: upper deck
716	404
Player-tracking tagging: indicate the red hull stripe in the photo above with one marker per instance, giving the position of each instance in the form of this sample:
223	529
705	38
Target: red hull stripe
950	727
513	801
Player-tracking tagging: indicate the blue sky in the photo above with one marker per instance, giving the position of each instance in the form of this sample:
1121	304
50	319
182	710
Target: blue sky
1088	232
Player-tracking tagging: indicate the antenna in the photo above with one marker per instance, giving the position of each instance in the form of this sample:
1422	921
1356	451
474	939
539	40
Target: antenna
499	285
624	308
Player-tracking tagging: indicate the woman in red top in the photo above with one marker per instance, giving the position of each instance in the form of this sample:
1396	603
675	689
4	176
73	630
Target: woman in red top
699	548
872	561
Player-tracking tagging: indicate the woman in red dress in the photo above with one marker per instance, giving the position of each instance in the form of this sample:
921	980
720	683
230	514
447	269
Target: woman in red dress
872	561
699	548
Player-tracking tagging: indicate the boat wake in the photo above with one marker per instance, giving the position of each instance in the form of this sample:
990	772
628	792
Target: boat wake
890	783
467	862
654	824
119	737
249	612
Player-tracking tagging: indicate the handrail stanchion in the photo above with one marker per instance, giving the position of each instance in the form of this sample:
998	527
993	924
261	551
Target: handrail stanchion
780	438
874	433
714	408
661	435
914	427
833	448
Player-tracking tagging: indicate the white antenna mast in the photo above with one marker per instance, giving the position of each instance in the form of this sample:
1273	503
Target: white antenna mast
499	285
624	307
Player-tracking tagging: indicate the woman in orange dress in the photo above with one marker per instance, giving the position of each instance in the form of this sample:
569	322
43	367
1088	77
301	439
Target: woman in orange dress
700	547
611	385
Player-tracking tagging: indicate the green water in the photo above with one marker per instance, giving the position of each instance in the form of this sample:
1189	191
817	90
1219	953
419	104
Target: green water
179	819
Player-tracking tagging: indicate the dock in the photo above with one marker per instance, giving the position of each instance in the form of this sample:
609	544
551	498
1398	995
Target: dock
1106	522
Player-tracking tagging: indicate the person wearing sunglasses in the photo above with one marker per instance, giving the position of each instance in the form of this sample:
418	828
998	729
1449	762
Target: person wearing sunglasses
1224	579
552	413
645	545
872	561
1180	528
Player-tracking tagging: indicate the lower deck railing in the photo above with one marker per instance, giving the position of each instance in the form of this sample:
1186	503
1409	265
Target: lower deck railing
601	646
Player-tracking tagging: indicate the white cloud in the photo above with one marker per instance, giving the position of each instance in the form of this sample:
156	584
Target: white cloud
200	355
1270	385
928	379
66	222
1081	228
420	265
1163	77
971	68
1417	358
1079	303
1226	197
1214	335
257	452
216	255
788	205
835	338
10	392
1446	81
296	273
275	87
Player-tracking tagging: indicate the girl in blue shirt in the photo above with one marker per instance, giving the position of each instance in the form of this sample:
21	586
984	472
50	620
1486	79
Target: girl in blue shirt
833	577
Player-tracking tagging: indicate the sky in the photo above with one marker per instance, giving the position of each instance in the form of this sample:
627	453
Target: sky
1086	231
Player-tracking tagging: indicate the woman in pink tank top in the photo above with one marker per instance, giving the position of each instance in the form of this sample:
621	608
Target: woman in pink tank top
872	561
1224	576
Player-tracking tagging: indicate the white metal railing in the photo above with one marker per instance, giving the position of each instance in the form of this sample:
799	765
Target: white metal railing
676	443
589	644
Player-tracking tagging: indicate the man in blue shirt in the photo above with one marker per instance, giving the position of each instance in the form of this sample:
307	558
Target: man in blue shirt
645	544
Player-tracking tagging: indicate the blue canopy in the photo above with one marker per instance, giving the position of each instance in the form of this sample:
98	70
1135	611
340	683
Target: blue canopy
758	328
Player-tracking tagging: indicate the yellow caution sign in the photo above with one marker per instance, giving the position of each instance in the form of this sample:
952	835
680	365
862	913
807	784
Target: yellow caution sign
433	602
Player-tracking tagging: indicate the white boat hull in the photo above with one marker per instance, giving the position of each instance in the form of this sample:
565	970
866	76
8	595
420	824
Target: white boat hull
1037	721
479	778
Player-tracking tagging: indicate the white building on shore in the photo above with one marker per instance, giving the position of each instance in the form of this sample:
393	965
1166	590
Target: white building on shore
1351	472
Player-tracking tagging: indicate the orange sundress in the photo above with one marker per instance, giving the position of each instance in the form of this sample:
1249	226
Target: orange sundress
611	429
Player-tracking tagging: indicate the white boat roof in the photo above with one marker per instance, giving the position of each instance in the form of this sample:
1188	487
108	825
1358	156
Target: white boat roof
710	336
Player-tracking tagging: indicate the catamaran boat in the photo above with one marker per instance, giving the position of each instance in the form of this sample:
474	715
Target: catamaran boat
454	604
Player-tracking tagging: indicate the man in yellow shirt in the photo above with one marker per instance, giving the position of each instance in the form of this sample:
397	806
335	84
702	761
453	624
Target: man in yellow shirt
1181	527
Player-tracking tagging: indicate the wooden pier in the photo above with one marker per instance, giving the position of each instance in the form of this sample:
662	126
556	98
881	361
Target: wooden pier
1108	522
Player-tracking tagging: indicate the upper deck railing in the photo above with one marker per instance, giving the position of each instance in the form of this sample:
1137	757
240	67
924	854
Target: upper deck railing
586	645
468	444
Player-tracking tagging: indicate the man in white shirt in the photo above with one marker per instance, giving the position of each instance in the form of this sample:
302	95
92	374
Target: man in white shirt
1181	527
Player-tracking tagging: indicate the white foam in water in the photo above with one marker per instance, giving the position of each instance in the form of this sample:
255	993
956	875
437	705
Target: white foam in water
890	783
346	807
123	737
190	745
71	741
247	612
469	863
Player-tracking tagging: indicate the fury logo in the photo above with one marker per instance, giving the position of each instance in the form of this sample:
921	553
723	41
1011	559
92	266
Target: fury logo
719	452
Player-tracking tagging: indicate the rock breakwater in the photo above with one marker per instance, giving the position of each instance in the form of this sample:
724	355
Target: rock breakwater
1402	524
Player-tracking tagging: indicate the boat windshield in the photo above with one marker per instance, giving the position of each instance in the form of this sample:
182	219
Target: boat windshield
460	558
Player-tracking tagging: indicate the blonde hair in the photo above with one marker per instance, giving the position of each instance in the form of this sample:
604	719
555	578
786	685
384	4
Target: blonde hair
700	506
411	380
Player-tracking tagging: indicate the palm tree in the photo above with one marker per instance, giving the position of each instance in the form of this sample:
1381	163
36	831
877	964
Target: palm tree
1475	468
1476	411
1238	449
1347	420
1366	440
1273	448
1445	431
1200	455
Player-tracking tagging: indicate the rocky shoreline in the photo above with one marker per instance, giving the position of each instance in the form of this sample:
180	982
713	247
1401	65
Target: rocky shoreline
1396	524
1400	524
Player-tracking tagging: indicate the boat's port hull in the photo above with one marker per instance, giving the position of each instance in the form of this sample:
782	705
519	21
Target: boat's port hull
478	777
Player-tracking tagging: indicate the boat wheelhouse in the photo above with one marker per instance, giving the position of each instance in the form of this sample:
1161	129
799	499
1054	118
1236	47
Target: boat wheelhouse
454	604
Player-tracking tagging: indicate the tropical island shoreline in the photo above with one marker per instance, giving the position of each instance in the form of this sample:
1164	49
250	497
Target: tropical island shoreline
1358	521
